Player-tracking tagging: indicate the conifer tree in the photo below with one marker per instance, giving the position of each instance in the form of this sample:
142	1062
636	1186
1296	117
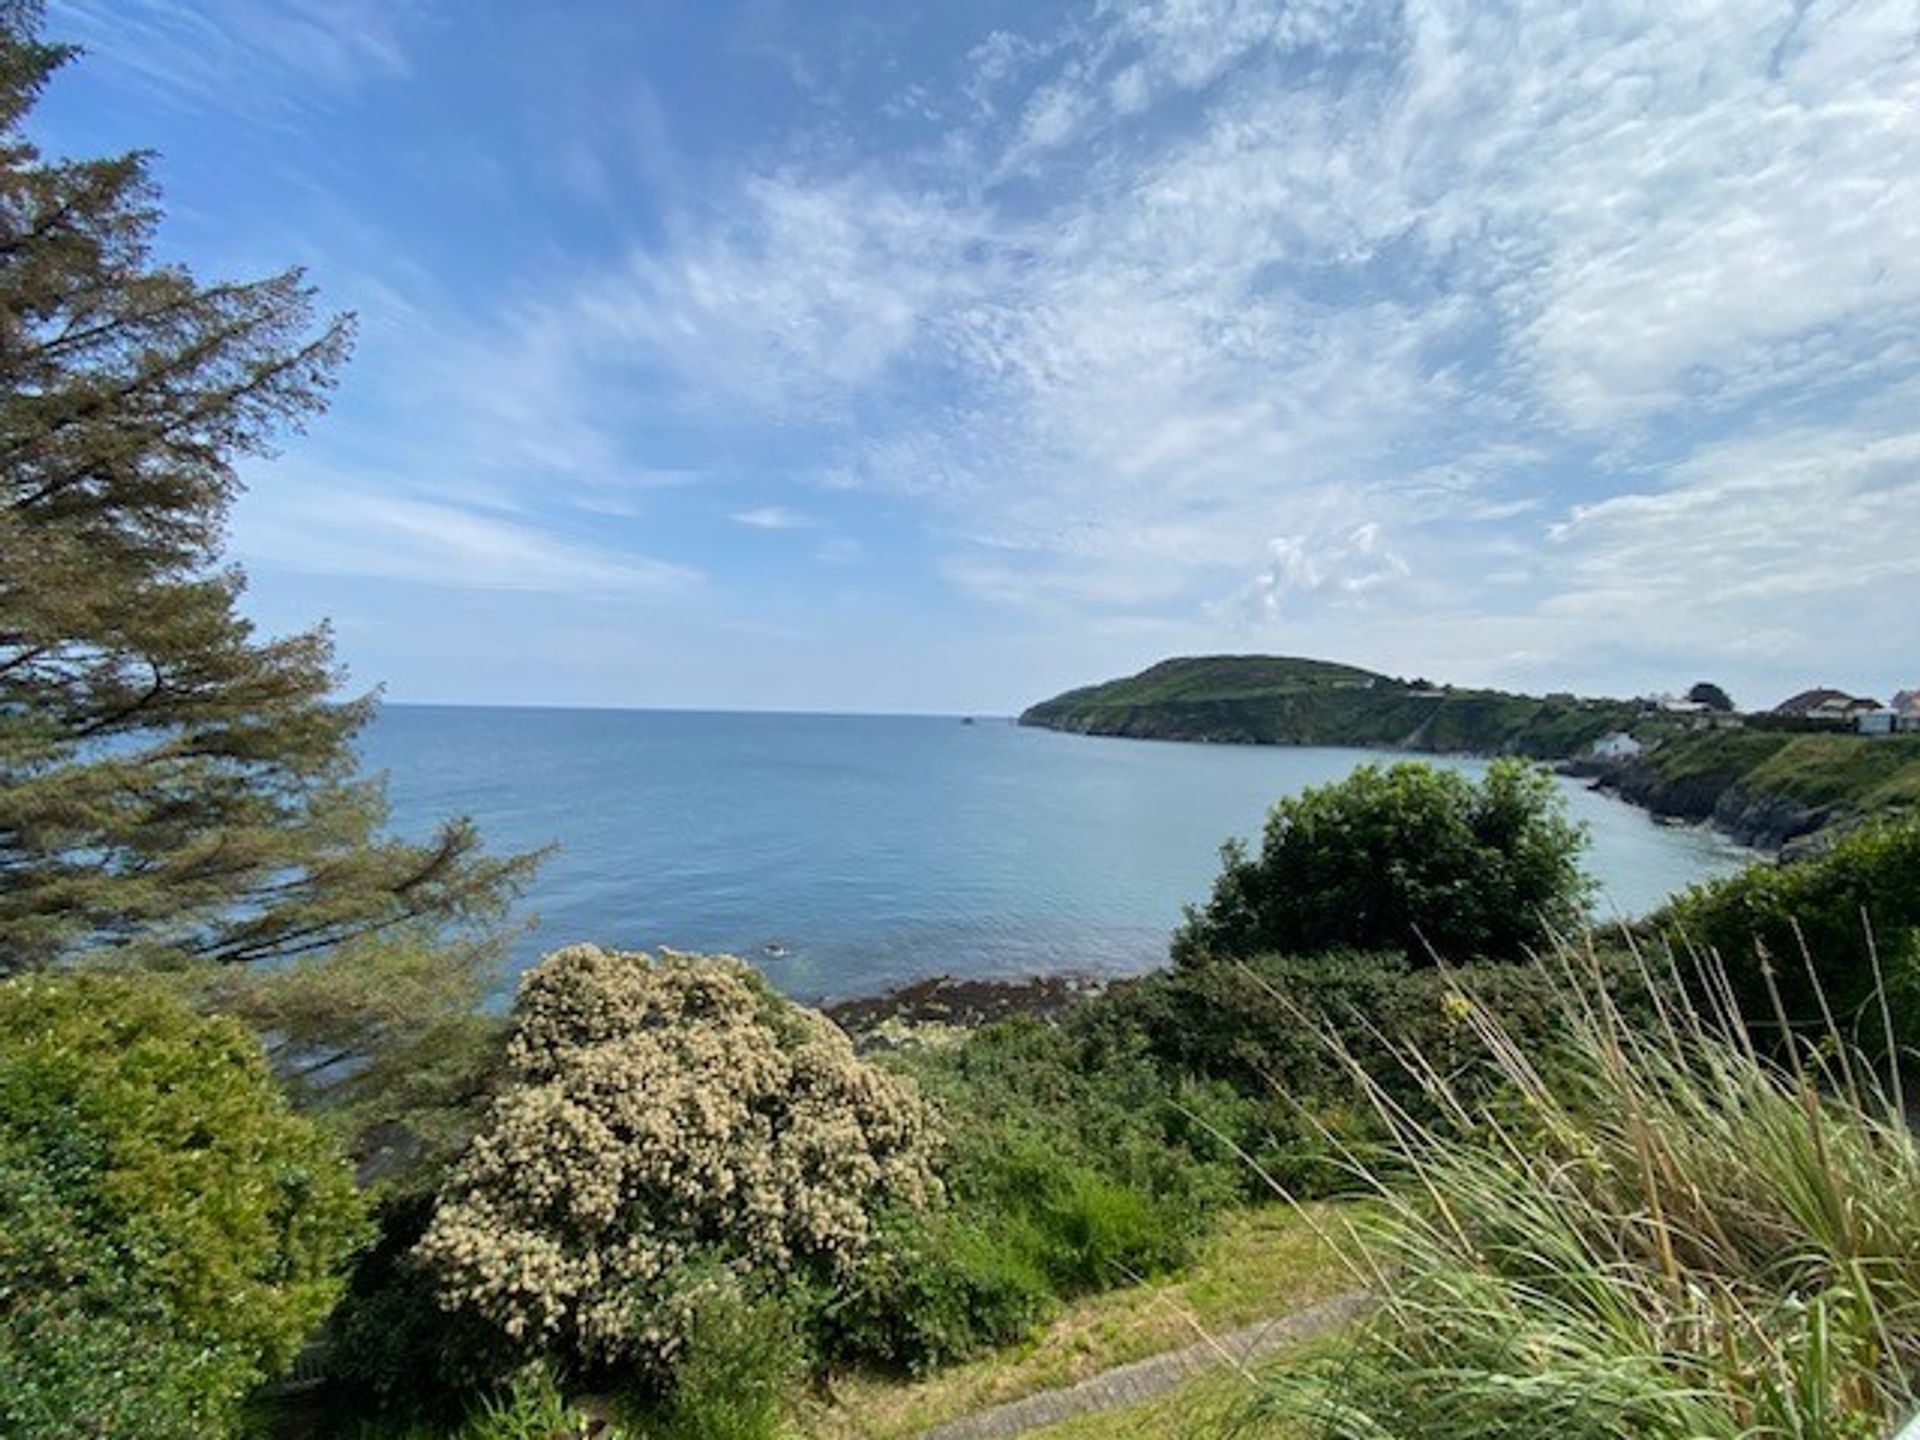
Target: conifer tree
174	788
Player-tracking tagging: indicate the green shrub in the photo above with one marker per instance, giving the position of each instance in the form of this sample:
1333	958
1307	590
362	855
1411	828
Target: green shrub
1060	1178
743	1359
171	1232
1042	1131
394	1352
1258	1030
1822	907
85	1348
1084	1228
1410	858
1115	1109
532	1407
936	1289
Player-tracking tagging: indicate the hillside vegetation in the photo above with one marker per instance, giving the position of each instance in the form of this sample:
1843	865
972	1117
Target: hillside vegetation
1280	700
1767	788
1763	786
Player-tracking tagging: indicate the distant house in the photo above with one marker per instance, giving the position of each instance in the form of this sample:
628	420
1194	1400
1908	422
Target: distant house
1877	722
1617	746
1906	703
1698	714
1827	704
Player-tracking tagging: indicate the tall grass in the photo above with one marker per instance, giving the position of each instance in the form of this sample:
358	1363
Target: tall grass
1660	1232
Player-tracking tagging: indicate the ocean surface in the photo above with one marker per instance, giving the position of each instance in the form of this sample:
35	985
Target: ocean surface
844	854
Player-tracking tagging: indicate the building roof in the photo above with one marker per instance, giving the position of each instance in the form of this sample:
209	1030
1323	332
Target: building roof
1807	702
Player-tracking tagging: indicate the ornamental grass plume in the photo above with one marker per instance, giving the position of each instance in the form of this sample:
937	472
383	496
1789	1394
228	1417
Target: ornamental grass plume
675	1129
1663	1231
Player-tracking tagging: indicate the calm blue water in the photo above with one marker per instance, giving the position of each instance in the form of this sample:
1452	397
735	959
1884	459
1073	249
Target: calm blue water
879	849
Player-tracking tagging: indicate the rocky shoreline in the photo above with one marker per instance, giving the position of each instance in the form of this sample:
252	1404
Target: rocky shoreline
1769	823
948	1002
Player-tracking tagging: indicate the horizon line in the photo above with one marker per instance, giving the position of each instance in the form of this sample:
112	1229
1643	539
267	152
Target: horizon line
697	710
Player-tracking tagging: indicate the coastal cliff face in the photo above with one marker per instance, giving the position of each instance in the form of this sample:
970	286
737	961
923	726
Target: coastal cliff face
1765	788
1763	821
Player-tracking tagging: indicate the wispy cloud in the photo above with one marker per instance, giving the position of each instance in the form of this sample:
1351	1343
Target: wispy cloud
264	57
775	517
323	529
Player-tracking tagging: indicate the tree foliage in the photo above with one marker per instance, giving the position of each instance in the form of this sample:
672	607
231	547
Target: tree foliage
385	1039
1409	858
170	1233
1706	693
172	785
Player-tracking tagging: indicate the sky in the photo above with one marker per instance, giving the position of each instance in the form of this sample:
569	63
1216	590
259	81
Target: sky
935	356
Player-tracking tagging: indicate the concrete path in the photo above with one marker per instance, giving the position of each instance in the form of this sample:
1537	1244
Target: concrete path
1143	1379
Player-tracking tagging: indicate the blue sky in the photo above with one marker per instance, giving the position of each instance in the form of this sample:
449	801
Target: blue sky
938	356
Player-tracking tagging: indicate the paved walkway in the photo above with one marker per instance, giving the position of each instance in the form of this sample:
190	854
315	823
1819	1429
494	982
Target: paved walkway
1143	1379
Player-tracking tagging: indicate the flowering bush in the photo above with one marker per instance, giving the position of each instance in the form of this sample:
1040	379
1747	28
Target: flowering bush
673	1128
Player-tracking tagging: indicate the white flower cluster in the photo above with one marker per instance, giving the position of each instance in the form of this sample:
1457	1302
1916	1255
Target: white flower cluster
671	1120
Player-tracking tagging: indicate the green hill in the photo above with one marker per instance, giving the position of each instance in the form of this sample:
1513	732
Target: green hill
1283	700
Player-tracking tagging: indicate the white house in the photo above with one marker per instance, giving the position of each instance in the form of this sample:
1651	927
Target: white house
1848	707
1878	722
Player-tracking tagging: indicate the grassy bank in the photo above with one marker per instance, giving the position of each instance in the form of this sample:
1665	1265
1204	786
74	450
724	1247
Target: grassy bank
1262	1262
1658	1233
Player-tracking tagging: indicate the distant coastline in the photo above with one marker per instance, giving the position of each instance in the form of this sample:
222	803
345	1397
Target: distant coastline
1763	786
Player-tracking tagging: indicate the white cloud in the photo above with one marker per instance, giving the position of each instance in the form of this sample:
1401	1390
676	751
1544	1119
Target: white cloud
775	517
802	295
312	523
1672	205
1350	564
1798	537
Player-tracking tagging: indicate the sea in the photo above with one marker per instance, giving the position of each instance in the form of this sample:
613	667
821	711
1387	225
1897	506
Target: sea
847	854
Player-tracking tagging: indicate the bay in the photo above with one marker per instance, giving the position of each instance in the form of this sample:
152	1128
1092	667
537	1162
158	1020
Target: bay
847	853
